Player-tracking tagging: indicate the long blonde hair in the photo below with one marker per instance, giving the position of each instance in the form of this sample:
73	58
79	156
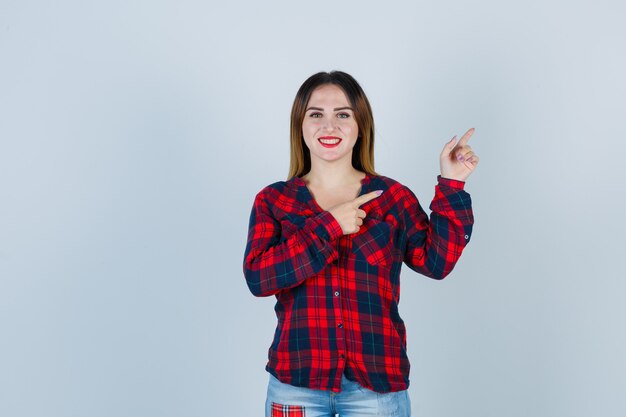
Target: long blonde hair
363	151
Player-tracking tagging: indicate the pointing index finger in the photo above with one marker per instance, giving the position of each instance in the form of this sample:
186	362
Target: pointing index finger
466	136
359	201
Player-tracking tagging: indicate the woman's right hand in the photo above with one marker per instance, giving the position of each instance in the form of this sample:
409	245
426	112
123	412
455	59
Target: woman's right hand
349	215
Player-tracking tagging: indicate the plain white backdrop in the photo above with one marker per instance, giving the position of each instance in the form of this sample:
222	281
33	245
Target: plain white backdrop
135	134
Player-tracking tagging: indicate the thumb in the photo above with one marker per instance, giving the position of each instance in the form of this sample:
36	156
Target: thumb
450	145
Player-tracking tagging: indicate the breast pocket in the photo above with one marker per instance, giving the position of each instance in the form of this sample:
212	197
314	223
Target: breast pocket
374	243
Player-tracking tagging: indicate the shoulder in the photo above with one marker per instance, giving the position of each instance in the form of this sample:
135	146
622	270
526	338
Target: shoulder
277	191
381	182
276	187
384	181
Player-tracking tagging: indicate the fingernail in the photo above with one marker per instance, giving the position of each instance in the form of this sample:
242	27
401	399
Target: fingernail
379	192
461	159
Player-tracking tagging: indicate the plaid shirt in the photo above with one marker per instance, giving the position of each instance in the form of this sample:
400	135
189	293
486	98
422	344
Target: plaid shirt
337	295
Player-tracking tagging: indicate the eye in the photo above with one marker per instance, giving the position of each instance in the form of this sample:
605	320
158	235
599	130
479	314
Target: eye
316	115
343	115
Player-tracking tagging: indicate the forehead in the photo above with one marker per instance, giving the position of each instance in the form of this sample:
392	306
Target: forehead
330	95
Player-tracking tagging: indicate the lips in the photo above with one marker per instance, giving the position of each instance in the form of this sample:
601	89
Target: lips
329	141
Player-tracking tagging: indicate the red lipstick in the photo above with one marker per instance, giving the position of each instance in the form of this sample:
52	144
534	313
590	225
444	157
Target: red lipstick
329	141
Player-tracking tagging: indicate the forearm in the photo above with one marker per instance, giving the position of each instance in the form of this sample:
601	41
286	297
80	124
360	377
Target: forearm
271	265
435	246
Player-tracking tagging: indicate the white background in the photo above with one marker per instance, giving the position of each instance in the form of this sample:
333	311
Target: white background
135	134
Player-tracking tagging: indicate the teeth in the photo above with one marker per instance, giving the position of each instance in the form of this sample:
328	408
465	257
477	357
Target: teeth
330	141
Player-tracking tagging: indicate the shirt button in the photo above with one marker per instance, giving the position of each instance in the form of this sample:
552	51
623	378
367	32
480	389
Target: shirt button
342	356
466	237
336	293
340	325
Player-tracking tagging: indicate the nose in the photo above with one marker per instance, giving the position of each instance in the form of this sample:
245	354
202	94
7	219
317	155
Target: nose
330	124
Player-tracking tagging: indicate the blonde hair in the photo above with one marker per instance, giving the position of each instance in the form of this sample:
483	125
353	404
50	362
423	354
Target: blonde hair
363	151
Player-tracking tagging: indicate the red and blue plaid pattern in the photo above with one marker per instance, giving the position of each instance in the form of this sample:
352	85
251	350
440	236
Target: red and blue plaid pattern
280	410
337	295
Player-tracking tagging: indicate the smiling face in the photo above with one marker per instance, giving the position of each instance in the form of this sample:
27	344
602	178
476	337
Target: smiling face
329	127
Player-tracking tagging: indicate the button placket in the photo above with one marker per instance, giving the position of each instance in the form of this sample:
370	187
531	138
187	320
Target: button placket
344	245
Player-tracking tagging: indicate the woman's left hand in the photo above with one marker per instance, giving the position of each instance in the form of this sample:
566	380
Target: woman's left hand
457	160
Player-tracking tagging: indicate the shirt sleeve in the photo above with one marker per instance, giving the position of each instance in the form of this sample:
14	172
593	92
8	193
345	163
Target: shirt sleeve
271	265
434	246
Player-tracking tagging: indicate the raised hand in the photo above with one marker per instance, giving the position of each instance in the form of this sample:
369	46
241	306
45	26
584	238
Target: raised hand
349	215
457	160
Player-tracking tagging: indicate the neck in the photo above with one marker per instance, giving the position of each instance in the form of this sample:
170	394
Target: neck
329	175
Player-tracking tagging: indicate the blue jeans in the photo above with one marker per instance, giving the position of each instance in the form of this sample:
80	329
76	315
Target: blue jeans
352	401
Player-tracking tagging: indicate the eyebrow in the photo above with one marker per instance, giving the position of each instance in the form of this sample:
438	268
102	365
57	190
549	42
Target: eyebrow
335	109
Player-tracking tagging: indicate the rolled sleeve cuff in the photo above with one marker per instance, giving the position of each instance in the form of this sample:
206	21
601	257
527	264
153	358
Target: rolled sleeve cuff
328	227
447	182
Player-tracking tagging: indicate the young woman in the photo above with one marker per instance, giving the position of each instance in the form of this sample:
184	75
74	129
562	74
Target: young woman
329	243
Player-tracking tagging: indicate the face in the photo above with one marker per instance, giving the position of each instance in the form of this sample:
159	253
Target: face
329	128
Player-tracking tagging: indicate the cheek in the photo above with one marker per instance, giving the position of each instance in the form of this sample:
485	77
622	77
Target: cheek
350	126
308	133
310	126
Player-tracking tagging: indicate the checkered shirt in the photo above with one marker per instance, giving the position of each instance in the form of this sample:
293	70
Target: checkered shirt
337	295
